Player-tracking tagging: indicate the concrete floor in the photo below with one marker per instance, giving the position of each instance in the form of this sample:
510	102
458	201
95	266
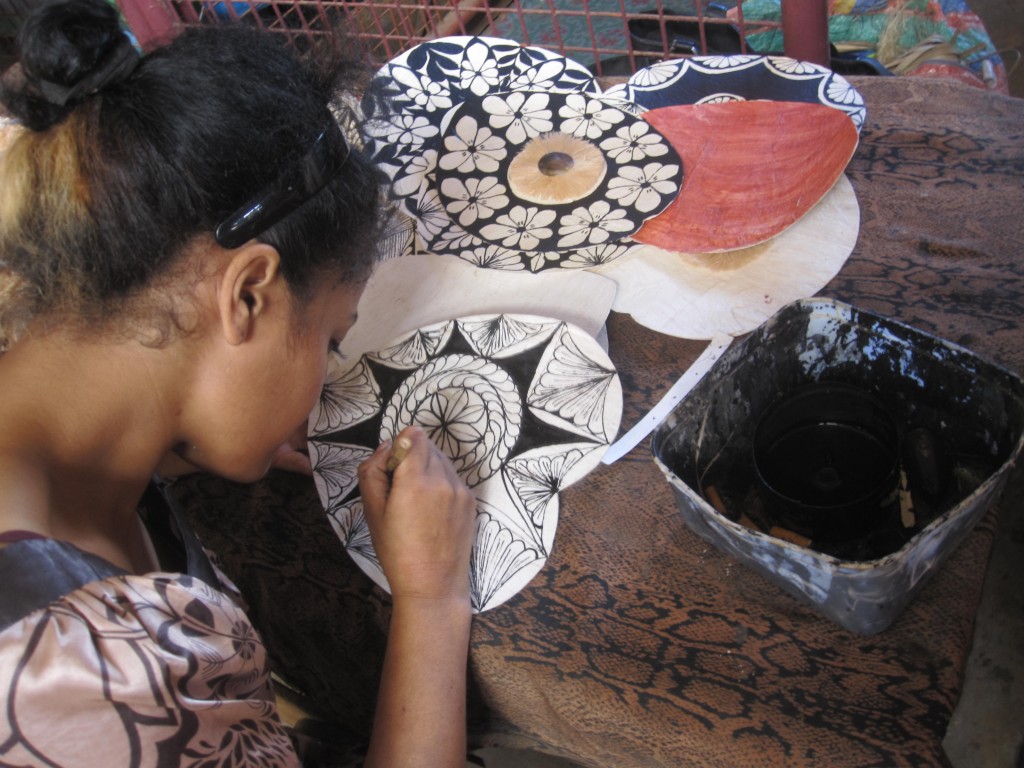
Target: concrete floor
987	729
1004	20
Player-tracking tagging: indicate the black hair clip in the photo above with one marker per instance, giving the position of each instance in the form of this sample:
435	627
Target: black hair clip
295	186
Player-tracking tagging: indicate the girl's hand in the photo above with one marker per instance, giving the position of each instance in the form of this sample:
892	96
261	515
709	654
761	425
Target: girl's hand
293	455
421	519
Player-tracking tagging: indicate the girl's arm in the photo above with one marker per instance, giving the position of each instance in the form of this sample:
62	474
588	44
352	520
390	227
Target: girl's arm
421	520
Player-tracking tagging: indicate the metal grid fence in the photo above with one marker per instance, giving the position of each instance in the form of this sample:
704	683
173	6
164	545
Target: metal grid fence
610	36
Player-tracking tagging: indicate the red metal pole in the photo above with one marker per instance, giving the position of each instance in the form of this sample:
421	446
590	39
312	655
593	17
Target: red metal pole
805	30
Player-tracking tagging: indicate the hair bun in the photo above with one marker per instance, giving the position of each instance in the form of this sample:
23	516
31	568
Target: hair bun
69	50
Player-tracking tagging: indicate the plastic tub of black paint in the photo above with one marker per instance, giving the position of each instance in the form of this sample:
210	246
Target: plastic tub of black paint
970	411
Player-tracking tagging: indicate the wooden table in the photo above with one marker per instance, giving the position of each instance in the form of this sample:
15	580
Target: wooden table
638	644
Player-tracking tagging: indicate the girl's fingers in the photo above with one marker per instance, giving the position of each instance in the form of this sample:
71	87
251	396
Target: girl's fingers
421	517
374	483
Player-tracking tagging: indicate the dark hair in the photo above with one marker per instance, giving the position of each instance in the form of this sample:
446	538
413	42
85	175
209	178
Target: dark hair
124	165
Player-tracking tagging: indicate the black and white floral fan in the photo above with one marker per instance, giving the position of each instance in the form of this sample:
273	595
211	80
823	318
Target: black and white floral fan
508	156
524	406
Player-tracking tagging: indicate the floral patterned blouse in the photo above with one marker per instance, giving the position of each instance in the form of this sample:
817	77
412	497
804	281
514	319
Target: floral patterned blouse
103	668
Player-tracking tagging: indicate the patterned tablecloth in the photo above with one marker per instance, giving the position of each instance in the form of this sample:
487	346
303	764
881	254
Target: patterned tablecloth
638	644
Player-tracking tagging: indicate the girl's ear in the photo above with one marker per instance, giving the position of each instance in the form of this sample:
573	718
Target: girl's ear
251	276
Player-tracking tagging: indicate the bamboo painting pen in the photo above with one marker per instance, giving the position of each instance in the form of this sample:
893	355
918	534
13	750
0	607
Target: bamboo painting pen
398	452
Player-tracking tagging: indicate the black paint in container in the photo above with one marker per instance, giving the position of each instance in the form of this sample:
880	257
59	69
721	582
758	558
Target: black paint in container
827	457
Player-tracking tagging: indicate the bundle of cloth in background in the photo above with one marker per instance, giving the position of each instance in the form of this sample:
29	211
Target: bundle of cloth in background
932	38
936	38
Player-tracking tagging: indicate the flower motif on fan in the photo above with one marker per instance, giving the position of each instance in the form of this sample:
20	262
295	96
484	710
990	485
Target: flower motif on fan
596	255
633	142
452	420
444	120
348	400
643	188
431	218
472	147
572	387
539	76
588	118
415	178
519	115
493	257
423	91
498	555
521	227
841	92
656	74
474	198
478	70
470	407
349	524
335	467
406	130
455	240
592	225
720	98
538	260
722	62
416	348
537	478
795	67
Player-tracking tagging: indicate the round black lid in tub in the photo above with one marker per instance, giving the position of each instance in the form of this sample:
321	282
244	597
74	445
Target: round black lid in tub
827	457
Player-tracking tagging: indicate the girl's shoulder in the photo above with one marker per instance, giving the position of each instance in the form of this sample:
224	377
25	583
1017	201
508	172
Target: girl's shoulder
129	666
